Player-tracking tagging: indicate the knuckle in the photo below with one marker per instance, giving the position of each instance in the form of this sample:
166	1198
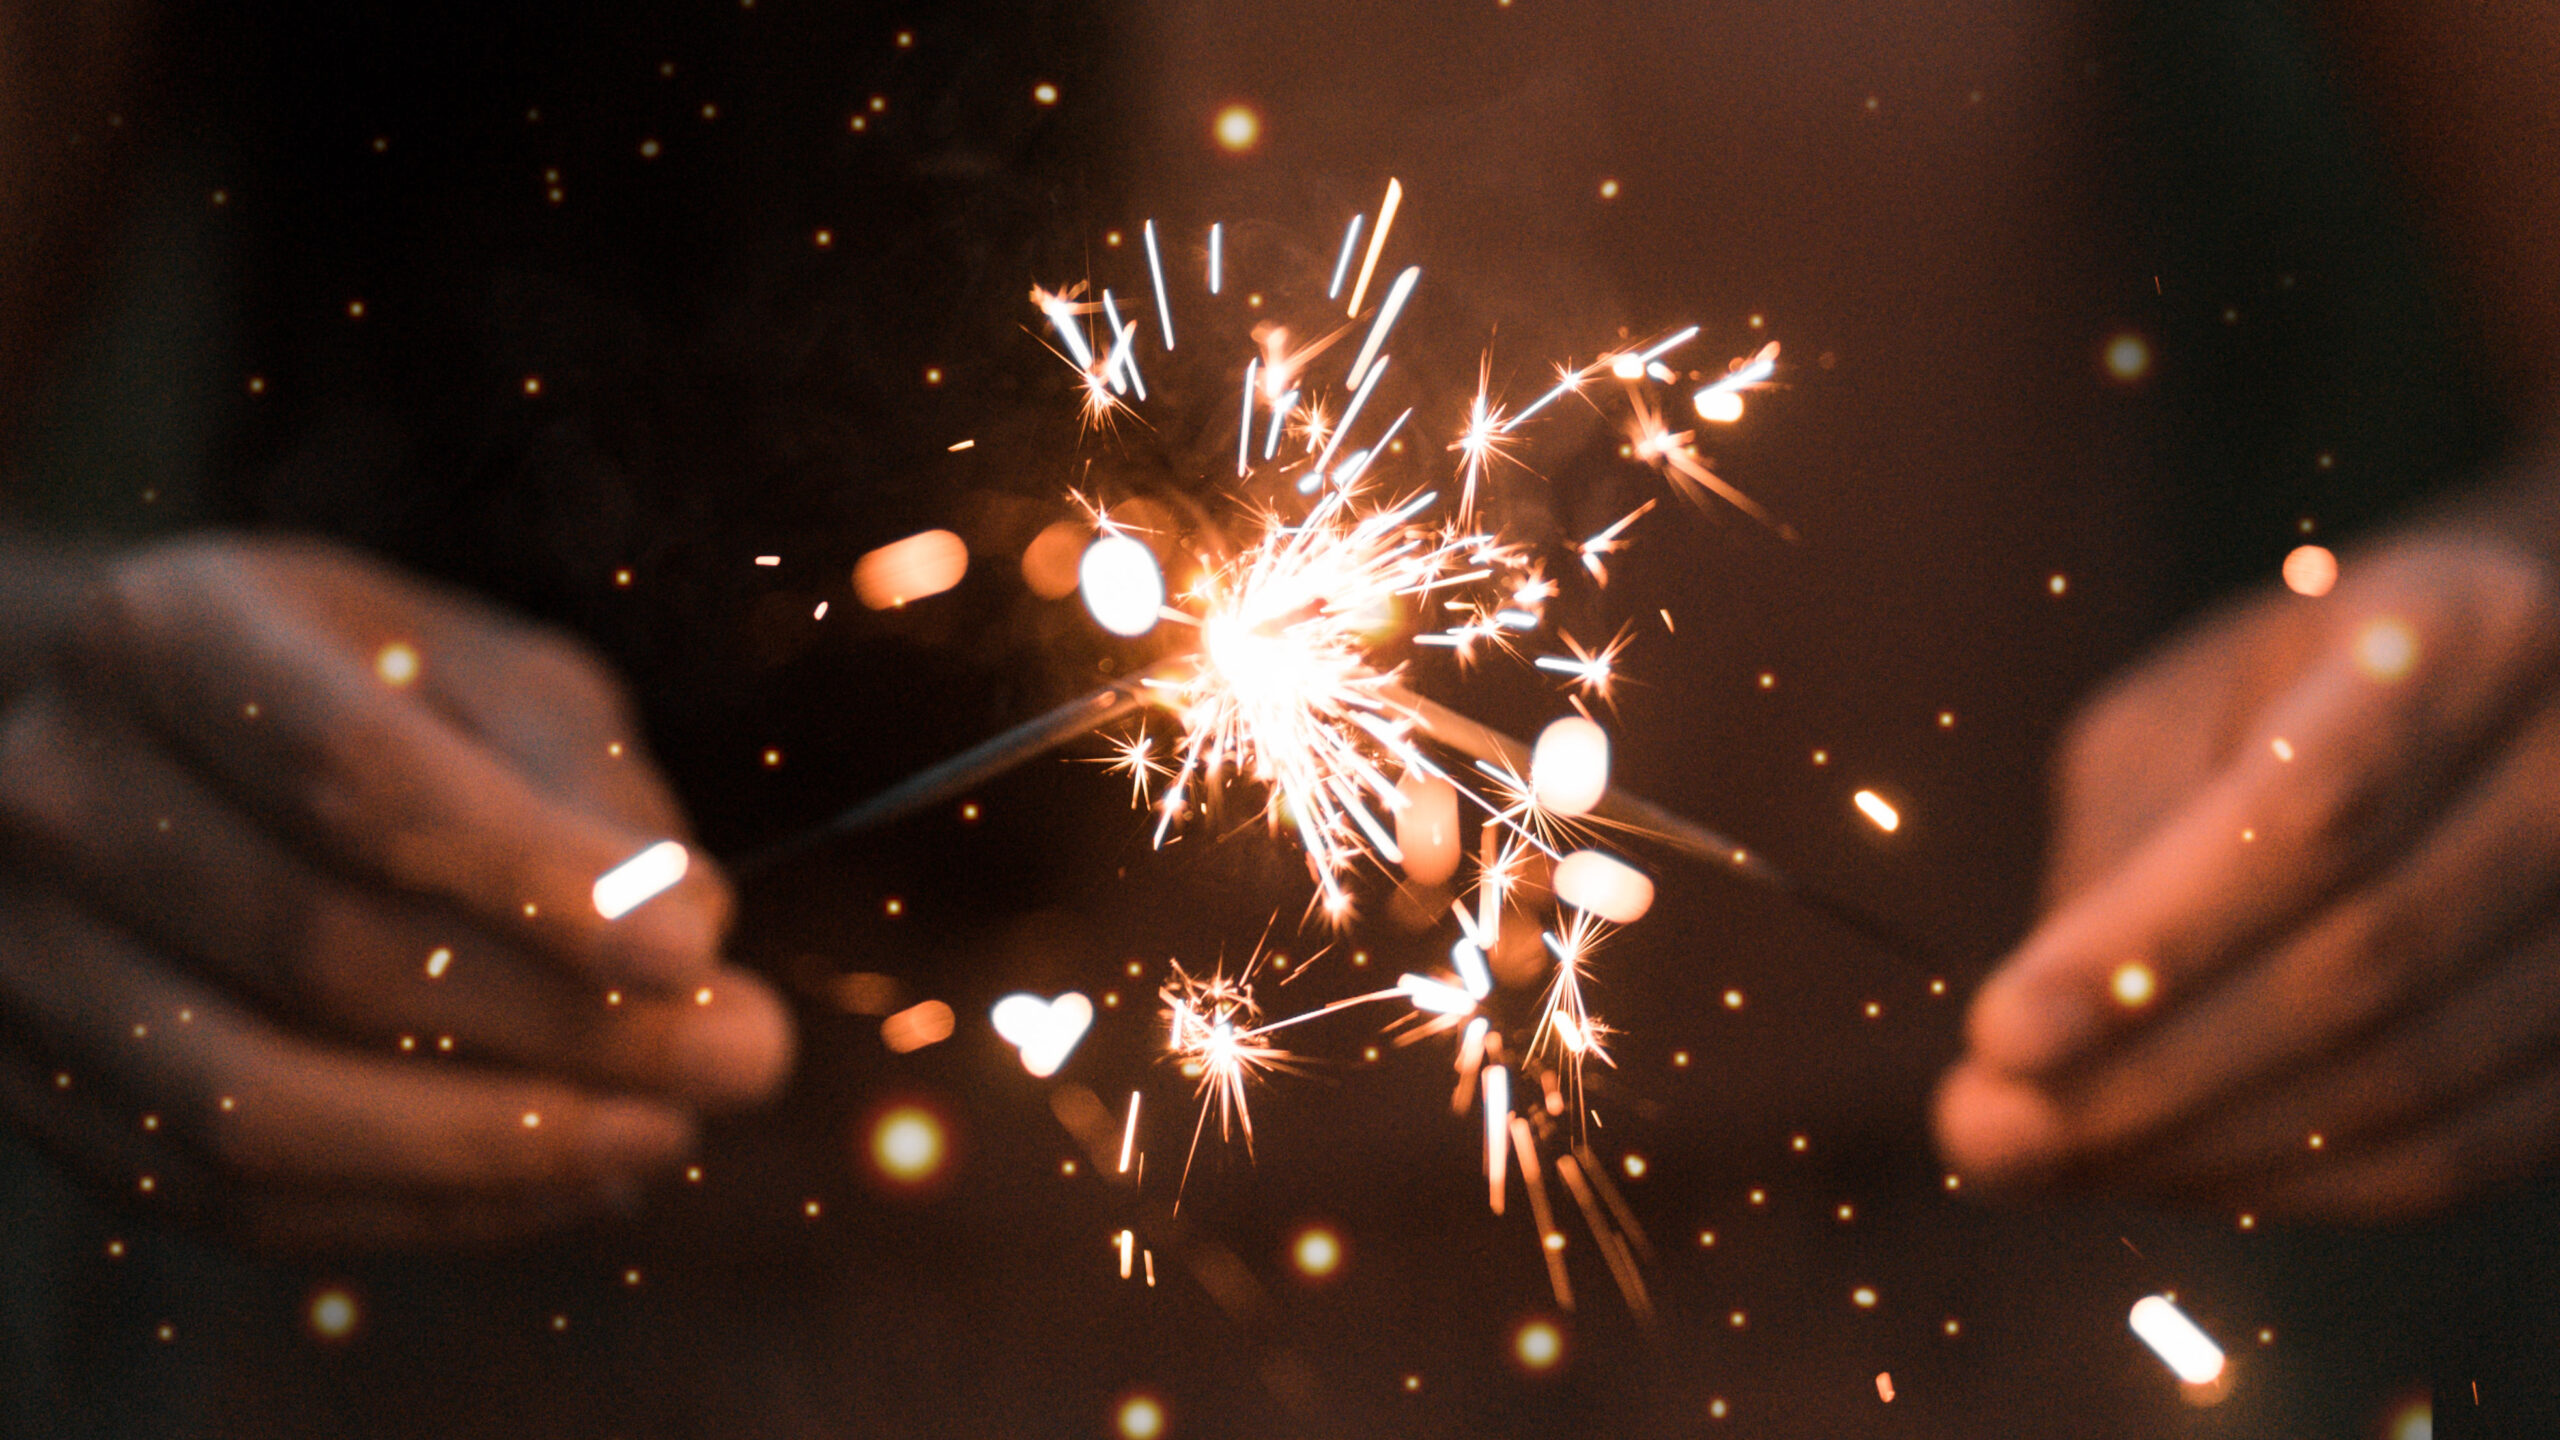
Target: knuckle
551	663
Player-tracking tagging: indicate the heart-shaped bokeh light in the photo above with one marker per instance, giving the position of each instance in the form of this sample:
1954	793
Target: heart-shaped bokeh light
1045	1031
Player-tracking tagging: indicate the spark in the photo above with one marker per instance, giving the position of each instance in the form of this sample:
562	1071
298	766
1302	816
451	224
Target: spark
1290	685
1567	1031
1377	243
1593	670
1134	755
1342	266
1155	268
1388	312
1210	1032
1609	542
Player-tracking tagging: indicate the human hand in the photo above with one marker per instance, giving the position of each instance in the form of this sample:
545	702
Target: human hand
2301	955
296	927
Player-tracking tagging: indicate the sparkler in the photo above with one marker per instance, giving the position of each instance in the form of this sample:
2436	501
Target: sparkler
1287	683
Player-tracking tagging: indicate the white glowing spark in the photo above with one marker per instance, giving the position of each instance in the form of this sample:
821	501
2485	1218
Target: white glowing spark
1342	266
626	886
1377	243
1155	268
2177	1340
1592	670
1607	542
1388	312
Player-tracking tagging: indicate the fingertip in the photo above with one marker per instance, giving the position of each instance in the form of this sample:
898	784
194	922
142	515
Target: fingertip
1995	1131
2029	1018
622	1139
671	940
739	1048
664	908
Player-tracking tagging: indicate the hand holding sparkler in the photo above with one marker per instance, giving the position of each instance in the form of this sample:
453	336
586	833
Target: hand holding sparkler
2302	960
303	859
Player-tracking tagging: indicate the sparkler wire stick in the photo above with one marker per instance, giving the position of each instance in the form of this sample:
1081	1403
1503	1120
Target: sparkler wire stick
947	781
1668	828
937	784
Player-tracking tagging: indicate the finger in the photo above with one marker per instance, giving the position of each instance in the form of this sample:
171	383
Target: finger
582	744
2121	773
125	1154
2416	1073
275	1109
298	724
153	848
2418	669
2389	946
2512	1134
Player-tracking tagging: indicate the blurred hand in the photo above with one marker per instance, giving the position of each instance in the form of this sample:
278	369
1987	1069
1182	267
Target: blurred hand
2303	954
296	927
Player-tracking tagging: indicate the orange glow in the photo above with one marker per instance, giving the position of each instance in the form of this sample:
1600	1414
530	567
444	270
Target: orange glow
2310	570
1049	562
917	1026
1427	828
921	565
1238	129
907	1145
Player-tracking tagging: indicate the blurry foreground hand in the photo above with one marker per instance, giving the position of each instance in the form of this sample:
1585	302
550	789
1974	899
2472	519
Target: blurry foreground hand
2303	951
296	928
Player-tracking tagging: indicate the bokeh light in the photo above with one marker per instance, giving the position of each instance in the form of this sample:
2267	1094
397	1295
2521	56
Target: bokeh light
333	1314
2177	1340
1140	1417
1569	770
2310	570
1604	885
2386	650
1316	1252
1427	828
906	1146
1538	1346
1122	584
1238	129
925	1023
1049	562
2133	984
396	663
903	571
1723	407
2128	357
1878	810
